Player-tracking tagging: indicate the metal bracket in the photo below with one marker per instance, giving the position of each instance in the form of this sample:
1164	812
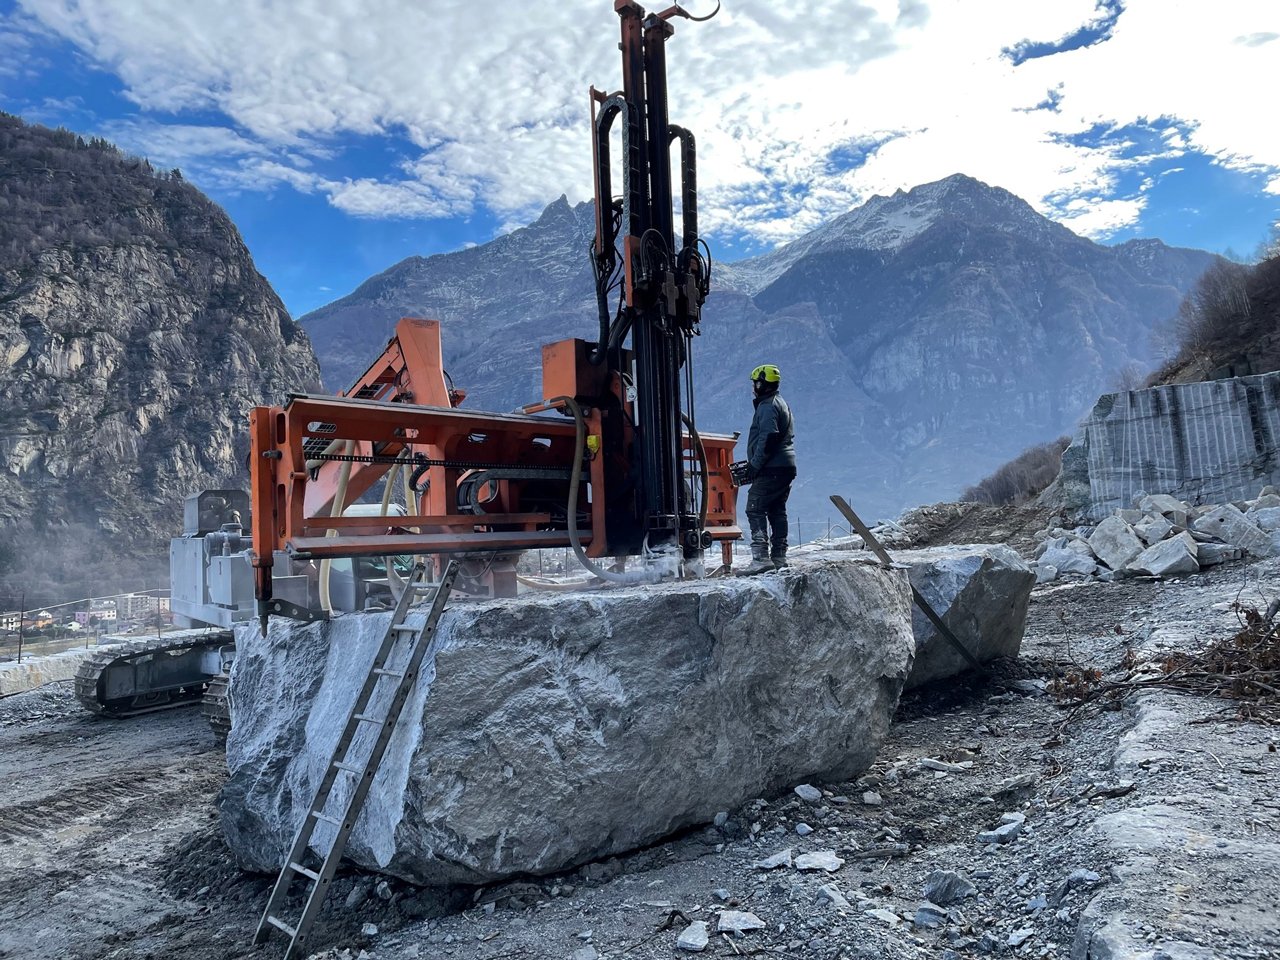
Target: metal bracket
287	608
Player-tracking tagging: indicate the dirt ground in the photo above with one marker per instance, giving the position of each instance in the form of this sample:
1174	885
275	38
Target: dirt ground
1151	831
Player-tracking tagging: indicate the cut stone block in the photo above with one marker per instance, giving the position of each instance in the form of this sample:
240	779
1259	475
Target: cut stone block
1114	543
553	730
1081	546
1210	554
1267	519
35	672
1171	508
1231	526
1153	529
1168	557
1068	561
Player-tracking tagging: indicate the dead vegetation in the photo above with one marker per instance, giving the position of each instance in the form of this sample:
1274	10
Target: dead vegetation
1226	326
1022	478
1243	668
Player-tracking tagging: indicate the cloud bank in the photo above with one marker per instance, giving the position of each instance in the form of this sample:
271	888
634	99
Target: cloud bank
801	110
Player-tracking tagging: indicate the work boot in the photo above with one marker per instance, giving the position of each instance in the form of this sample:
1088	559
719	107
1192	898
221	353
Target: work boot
760	562
779	560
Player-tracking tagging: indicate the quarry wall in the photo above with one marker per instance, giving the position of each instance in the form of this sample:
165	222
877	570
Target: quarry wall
1211	442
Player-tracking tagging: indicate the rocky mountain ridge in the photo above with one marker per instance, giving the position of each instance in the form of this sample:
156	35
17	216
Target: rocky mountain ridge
925	338
135	333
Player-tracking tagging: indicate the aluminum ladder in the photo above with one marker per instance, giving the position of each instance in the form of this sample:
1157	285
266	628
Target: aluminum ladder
419	640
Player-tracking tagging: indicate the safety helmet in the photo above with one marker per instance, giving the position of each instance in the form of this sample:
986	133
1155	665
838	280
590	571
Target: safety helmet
767	373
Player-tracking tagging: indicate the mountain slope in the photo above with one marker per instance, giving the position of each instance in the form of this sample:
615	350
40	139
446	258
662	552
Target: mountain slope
924	338
135	333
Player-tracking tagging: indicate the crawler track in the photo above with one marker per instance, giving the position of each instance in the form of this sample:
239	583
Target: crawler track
177	688
216	707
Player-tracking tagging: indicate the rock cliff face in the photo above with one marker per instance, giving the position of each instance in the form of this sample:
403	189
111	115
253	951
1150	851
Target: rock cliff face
1210	442
135	333
925	338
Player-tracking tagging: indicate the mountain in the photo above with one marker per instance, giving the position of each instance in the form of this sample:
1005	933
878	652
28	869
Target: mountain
924	338
135	333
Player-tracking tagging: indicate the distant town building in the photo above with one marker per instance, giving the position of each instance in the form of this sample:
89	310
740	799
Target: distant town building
10	620
104	610
135	606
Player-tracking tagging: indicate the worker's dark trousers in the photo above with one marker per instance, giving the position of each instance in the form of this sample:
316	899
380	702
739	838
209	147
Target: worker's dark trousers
767	508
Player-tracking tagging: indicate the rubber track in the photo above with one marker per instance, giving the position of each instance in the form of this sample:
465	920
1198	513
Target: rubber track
92	667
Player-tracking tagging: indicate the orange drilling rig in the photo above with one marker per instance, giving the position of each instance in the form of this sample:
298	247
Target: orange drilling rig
608	461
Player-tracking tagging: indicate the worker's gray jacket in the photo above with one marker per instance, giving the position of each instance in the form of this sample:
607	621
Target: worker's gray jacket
771	442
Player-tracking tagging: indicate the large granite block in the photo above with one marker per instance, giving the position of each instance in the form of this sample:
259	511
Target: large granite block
555	730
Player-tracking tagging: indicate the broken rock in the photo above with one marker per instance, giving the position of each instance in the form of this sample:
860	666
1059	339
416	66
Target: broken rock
694	937
1168	557
543	735
945	887
780	859
738	921
831	894
981	592
1231	526
819	860
1114	543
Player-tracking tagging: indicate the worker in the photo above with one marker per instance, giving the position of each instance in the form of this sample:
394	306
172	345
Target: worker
771	468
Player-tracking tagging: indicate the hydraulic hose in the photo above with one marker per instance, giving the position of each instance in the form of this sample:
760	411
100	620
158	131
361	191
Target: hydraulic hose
395	582
344	477
706	473
575	476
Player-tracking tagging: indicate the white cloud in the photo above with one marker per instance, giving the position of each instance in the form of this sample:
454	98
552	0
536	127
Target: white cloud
495	102
174	144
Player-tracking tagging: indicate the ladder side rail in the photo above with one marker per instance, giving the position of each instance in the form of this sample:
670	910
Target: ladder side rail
302	839
356	803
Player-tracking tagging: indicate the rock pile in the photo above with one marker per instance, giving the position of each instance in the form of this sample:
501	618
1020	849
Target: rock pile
1163	536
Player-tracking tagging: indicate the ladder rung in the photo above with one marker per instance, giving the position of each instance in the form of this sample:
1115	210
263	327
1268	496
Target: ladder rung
417	647
281	925
299	868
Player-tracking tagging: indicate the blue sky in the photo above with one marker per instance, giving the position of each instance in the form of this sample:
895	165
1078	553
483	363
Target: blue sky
342	138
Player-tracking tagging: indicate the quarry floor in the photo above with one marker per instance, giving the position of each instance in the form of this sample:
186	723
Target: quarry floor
109	844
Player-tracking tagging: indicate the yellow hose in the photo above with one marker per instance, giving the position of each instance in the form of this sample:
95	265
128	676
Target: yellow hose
344	476
395	582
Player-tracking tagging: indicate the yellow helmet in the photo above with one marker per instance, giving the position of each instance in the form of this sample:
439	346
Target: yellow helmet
767	373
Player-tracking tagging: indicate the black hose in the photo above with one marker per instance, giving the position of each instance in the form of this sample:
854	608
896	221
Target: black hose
575	540
706	473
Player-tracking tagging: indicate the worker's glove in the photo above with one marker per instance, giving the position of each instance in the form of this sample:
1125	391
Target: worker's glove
751	474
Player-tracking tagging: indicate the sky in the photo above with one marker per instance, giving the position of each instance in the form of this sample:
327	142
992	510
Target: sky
345	135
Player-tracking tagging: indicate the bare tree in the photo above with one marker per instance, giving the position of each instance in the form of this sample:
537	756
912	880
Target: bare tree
1129	377
1021	478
